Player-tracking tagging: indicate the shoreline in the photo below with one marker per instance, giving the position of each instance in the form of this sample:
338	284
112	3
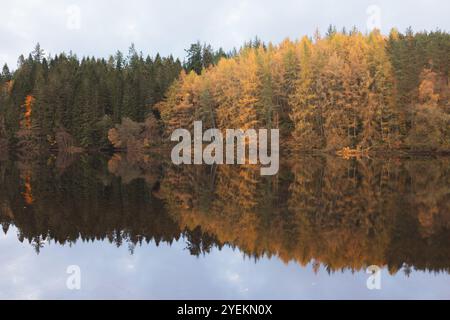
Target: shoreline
288	155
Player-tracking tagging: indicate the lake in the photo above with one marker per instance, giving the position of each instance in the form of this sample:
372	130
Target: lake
142	228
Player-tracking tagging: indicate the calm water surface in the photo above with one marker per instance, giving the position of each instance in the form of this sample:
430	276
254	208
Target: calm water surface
139	227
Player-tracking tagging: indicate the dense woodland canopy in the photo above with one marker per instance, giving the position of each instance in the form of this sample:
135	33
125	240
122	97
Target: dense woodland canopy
344	89
84	98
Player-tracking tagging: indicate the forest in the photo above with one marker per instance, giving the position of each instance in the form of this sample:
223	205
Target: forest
339	92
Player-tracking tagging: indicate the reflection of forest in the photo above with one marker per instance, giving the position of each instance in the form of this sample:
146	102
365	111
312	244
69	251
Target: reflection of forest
329	211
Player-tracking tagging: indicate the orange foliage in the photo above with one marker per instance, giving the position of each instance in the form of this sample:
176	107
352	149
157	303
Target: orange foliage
427	87
348	153
9	86
27	195
29	100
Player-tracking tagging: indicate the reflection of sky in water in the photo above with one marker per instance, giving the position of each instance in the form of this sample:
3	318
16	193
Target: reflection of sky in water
170	272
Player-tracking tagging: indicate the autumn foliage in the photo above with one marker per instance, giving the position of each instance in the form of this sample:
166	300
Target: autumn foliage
29	101
344	90
369	92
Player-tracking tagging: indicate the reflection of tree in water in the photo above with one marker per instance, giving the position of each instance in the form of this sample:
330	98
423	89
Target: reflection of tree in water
332	212
199	242
342	214
82	205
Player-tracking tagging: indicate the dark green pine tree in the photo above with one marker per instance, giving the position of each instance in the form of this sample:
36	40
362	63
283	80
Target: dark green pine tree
194	58
6	74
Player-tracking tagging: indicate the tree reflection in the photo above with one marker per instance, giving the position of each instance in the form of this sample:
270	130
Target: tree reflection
342	214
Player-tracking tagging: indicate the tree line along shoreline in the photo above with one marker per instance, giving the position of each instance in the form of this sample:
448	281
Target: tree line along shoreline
344	92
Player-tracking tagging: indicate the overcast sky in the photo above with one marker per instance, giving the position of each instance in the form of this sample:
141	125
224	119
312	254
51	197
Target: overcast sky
101	27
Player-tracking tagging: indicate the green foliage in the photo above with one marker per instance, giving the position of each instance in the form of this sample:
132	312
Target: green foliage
85	97
201	56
